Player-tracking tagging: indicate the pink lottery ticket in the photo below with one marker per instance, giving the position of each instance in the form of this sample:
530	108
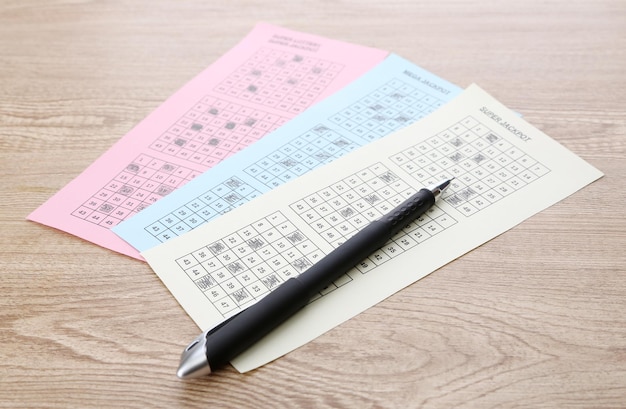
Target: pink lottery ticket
271	76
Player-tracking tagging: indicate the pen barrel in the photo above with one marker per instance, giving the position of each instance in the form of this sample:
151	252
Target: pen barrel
358	247
241	331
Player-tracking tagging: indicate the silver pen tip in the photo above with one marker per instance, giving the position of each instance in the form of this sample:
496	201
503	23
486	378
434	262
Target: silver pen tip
439	188
193	361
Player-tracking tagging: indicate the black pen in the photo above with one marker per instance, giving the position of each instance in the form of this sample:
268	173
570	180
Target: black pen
217	346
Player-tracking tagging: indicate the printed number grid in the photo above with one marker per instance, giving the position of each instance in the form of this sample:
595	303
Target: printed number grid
281	80
388	108
141	183
486	167
339	211
243	267
213	129
314	148
216	201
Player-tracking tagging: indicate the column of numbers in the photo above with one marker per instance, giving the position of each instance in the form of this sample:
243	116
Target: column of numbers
318	146
141	183
387	109
486	167
218	200
282	80
213	129
241	268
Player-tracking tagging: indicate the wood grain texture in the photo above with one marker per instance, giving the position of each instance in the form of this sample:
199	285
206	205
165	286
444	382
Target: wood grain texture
533	318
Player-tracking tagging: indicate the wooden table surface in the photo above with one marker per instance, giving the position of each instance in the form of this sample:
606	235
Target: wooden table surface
534	318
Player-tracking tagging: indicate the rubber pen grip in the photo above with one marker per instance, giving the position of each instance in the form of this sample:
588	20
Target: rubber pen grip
409	210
